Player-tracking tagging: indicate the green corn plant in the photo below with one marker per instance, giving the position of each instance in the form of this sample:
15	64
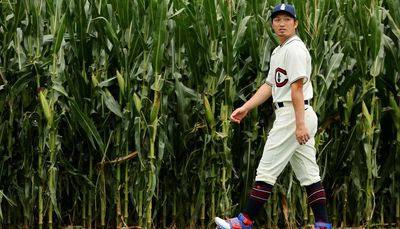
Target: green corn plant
161	78
159	34
57	28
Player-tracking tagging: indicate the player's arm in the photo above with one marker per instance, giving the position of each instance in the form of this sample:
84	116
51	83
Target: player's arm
263	93
302	135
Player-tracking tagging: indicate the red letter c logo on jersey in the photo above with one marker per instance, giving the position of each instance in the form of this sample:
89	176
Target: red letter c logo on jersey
281	78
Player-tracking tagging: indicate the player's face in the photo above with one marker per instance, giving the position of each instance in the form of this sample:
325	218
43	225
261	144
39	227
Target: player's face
284	26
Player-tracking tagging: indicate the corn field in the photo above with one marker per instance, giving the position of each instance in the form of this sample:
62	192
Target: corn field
115	113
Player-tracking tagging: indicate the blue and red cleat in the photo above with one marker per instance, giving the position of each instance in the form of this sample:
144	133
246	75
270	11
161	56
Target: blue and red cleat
320	225
240	222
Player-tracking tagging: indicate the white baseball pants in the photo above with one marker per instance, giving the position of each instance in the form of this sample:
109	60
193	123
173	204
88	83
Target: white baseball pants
282	147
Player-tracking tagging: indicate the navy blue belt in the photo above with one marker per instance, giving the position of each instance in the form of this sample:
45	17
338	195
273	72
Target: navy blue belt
282	104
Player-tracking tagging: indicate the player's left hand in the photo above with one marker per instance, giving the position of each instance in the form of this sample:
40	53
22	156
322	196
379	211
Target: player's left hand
302	135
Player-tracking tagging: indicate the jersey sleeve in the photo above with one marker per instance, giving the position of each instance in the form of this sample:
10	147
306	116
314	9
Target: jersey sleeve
297	62
270	78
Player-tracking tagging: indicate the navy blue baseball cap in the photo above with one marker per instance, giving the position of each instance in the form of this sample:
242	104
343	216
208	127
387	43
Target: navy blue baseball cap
285	8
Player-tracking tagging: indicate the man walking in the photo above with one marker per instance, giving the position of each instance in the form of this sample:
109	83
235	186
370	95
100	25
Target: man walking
291	139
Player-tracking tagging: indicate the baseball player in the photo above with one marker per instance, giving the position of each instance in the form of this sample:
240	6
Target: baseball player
291	139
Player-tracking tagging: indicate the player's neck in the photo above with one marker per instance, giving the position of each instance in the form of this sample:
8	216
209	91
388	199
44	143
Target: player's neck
283	40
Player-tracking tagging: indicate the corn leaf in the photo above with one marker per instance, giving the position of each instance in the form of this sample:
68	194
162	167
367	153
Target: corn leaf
87	125
111	103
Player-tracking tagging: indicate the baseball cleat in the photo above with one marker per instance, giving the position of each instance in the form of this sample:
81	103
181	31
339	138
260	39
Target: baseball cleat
240	222
323	225
222	224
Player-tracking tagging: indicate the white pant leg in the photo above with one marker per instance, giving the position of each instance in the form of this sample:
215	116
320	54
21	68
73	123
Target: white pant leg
280	146
303	161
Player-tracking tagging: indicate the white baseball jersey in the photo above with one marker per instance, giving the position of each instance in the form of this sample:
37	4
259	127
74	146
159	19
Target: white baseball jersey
289	62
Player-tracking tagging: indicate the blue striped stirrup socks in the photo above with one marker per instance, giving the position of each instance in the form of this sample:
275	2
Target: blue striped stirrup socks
317	202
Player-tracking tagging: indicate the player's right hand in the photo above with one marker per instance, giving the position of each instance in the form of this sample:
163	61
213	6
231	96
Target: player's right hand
238	114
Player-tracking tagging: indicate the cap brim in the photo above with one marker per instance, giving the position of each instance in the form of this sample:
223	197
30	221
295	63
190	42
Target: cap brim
284	12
